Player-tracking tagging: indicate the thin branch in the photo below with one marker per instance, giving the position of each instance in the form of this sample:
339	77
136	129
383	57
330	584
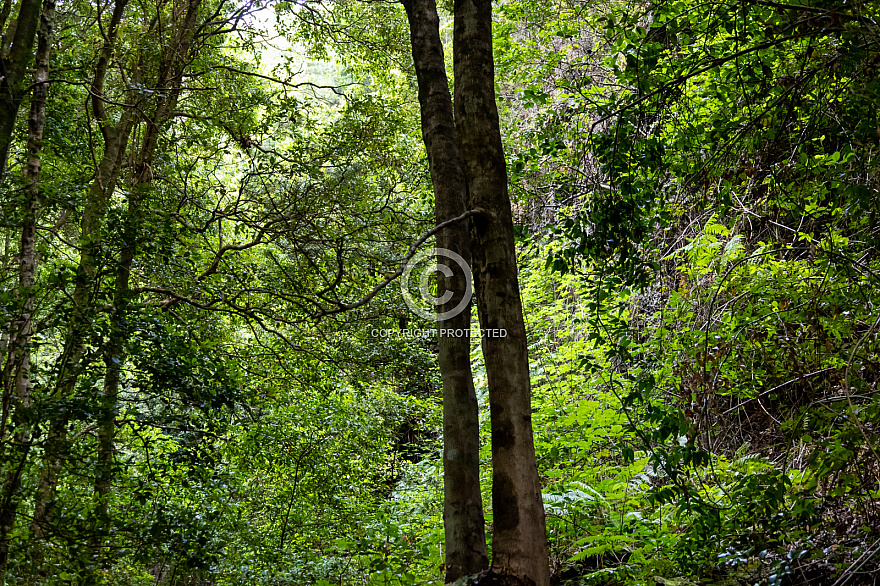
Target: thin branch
410	253
333	88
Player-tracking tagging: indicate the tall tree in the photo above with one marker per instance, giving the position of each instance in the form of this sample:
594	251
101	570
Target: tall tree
463	504
71	362
15	378
173	61
519	541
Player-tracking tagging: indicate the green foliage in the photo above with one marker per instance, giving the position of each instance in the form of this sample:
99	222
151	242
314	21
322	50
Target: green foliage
713	190
695	194
255	436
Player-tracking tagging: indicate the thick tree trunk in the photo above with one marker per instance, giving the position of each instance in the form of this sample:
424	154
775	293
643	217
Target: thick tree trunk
463	505
16	372
519	544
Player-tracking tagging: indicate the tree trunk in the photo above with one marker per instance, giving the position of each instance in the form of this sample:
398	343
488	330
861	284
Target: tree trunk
519	543
15	63
16	372
174	60
463	505
70	367
114	356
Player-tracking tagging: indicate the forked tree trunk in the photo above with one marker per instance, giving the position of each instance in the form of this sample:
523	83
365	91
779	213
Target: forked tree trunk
519	543
463	505
174	61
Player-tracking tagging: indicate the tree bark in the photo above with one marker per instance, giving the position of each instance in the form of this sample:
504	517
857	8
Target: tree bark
114	356
16	372
463	520
173	62
115	138
13	66
519	541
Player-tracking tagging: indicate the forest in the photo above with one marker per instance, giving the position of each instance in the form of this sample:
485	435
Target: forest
388	293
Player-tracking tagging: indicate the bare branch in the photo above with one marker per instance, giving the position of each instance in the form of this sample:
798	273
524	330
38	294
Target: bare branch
410	253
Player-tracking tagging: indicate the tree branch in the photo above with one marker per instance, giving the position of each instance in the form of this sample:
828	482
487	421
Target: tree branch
410	253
